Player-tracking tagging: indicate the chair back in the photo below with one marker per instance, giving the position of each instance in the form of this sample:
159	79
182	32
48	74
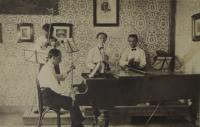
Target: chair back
40	101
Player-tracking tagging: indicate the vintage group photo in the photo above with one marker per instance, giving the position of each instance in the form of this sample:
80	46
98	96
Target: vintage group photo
100	63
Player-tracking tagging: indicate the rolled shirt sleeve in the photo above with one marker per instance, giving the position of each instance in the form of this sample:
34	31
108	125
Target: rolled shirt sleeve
89	62
142	59
124	59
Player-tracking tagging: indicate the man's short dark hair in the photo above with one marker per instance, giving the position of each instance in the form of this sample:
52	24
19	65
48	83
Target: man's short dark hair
48	28
101	33
54	53
133	36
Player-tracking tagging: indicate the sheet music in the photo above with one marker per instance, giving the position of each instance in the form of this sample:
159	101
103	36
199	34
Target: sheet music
69	45
162	63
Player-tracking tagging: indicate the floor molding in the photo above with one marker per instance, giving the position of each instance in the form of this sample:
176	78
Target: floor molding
13	109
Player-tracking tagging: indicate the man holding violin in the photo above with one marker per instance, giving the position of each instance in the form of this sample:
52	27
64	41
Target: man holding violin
97	59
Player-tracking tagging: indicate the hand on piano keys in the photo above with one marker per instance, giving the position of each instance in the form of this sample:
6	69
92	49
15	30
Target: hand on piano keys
133	63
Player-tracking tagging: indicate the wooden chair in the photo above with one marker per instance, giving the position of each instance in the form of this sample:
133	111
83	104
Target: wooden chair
43	109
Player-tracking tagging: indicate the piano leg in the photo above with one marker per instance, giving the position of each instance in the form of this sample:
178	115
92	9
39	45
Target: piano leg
101	118
96	113
193	111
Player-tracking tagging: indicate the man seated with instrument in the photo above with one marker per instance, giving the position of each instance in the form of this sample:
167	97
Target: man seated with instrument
97	60
52	92
134	56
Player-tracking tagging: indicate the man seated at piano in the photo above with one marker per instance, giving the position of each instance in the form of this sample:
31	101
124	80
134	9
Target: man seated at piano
52	92
134	56
97	59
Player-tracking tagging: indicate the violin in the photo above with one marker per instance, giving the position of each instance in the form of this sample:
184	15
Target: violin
52	42
106	63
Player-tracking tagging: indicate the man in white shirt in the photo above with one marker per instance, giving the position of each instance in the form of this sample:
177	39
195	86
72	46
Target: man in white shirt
52	91
97	60
44	43
134	56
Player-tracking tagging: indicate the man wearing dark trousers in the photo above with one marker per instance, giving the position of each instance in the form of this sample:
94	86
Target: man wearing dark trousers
52	92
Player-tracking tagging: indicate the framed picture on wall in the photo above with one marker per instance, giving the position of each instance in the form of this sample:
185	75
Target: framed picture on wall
196	27
1	39
106	12
29	7
25	31
62	31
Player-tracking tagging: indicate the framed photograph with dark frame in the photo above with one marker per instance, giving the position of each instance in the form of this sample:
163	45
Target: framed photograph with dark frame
62	30
106	12
1	39
29	7
26	33
196	27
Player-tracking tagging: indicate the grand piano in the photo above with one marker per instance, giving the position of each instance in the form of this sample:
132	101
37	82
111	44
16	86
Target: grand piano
128	88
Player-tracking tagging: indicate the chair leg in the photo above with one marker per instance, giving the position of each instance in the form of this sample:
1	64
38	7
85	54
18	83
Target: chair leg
58	119
39	120
41	116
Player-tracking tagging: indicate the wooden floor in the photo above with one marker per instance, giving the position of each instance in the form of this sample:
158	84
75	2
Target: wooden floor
15	120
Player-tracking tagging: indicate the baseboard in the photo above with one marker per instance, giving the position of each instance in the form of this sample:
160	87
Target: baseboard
13	109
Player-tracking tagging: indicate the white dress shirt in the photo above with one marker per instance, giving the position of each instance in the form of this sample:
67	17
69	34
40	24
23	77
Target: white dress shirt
40	43
42	51
47	77
95	55
138	55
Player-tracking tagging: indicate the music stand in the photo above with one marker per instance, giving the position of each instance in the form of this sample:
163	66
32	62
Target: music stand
70	48
162	63
69	45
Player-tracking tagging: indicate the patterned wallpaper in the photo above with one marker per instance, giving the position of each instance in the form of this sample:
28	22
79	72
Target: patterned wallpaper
147	18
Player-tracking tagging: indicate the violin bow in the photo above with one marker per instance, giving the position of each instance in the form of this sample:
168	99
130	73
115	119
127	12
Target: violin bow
51	10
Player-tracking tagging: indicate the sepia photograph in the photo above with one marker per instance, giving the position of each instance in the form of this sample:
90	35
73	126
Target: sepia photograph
100	63
62	30
106	12
28	6
196	27
1	39
25	31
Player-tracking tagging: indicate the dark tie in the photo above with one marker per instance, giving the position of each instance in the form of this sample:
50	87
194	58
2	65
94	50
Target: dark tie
57	70
101	47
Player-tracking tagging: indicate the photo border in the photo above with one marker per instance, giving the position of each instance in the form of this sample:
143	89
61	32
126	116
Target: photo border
64	25
195	18
1	36
105	24
28	25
